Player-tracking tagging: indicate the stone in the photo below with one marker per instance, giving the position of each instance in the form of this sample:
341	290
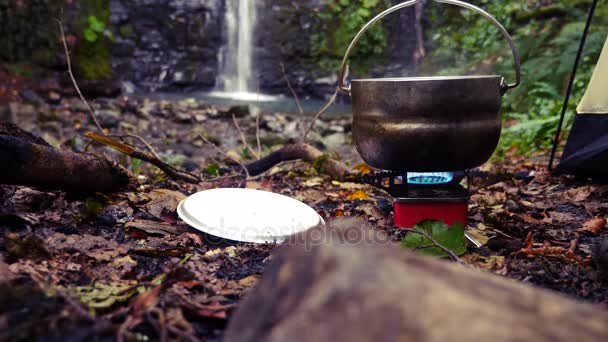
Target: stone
128	87
182	117
334	141
108	118
238	111
53	97
6	114
32	97
23	115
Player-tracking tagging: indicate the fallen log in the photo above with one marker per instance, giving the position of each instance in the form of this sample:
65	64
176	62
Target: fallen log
30	161
339	285
322	162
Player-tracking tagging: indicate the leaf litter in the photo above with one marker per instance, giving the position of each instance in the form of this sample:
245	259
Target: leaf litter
76	253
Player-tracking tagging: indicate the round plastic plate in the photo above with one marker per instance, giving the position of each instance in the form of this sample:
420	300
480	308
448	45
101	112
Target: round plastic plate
247	215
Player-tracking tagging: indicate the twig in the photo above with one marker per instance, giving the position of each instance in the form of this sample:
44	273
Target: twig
144	142
243	138
257	135
226	155
151	157
69	62
452	255
293	92
321	112
325	107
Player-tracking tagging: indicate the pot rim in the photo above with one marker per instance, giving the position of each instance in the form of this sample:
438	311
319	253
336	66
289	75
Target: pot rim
426	78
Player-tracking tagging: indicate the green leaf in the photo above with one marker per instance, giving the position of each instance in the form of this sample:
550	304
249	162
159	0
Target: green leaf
451	238
135	163
213	170
364	12
96	25
90	35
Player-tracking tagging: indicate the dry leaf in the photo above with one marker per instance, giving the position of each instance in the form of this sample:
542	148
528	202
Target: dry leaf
359	194
595	226
163	202
154	228
579	194
249	281
313	181
363	168
529	241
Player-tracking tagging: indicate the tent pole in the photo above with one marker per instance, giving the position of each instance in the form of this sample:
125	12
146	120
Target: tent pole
579	54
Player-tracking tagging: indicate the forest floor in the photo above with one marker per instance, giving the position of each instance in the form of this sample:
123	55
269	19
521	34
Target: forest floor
74	266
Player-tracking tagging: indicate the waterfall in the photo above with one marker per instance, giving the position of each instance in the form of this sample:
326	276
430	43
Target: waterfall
236	56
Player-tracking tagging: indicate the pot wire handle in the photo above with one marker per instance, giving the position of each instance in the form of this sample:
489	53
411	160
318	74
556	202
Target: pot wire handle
341	79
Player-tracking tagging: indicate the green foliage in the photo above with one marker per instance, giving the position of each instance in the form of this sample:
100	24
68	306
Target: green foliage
547	37
135	166
95	28
451	238
213	170
338	22
92	56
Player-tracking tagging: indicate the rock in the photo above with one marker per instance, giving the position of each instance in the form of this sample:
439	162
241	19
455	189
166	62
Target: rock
336	128
200	117
6	114
334	141
348	282
128	87
32	97
23	115
182	117
108	118
238	111
53	97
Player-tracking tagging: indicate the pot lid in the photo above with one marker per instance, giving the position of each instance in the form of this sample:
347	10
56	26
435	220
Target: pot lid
247	215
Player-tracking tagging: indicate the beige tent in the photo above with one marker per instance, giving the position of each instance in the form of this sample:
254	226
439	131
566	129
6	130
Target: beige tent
595	100
586	151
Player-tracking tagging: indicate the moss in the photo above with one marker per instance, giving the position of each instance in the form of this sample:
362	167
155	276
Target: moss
93	59
22	69
126	31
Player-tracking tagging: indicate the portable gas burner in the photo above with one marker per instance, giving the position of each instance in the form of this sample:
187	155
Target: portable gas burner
425	196
421	124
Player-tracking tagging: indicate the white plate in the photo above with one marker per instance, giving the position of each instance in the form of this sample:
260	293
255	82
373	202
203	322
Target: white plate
247	215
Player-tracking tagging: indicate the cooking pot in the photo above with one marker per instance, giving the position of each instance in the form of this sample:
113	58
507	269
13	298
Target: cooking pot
425	124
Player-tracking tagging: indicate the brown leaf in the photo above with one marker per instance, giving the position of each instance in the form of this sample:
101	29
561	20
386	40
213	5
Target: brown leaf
163	201
558	252
579	194
595	226
154	228
146	300
529	241
214	310
249	281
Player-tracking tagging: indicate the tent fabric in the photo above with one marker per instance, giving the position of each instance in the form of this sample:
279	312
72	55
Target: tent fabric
586	151
595	100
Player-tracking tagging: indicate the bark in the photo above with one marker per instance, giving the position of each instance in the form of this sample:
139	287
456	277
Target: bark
28	160
302	151
351	286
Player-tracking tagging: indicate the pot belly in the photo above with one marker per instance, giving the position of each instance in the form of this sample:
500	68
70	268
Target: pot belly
414	145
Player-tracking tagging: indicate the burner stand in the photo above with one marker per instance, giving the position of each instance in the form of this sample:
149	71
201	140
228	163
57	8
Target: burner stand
414	203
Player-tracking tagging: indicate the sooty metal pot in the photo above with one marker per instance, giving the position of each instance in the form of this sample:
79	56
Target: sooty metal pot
427	124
